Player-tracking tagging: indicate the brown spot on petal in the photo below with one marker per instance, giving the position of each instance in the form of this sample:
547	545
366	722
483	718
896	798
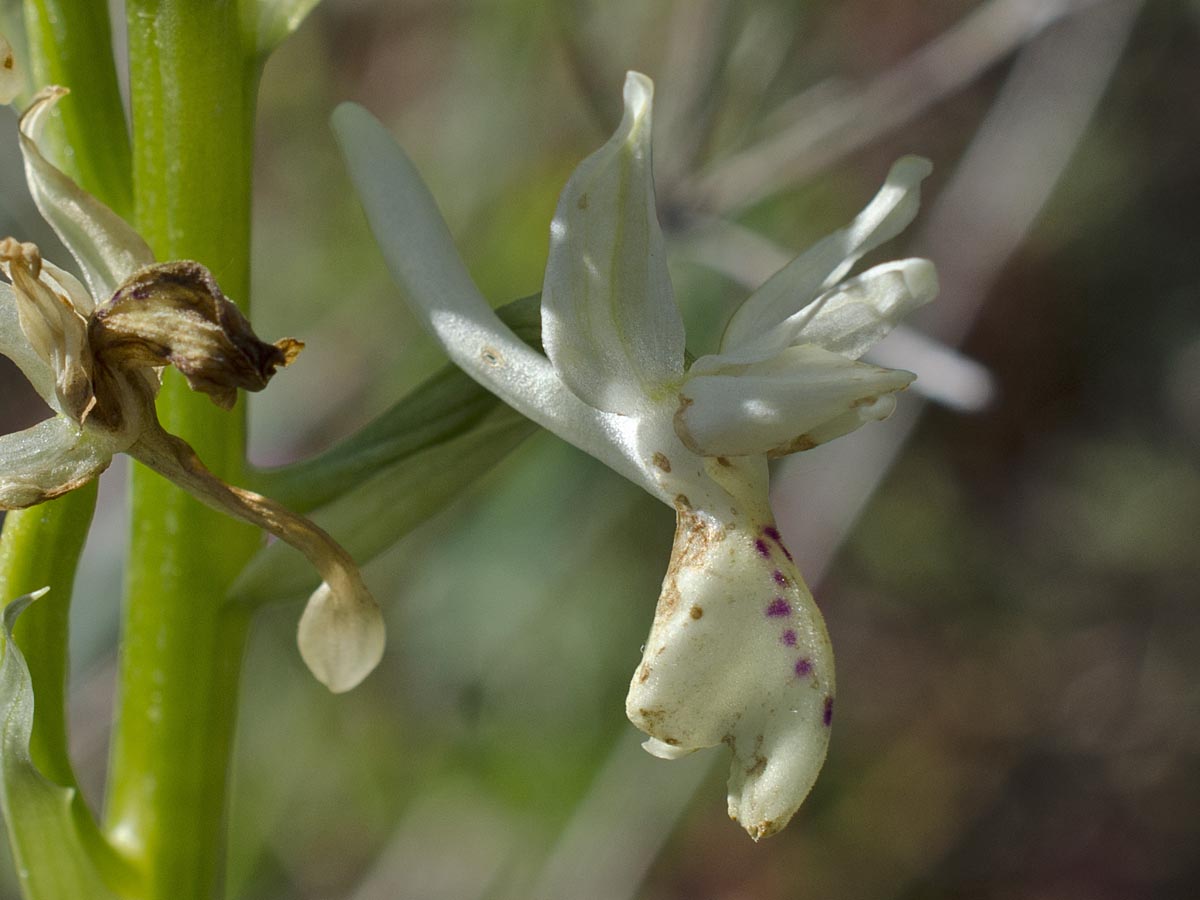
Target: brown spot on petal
724	461
696	537
582	203
864	401
697	612
8	61
662	462
652	719
492	357
643	674
795	445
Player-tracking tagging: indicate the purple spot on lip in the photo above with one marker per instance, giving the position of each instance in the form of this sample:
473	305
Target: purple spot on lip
803	667
763	550
780	578
827	718
773	533
789	638
778	608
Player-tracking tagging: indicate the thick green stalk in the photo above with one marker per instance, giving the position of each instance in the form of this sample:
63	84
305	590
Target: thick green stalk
40	547
192	98
68	43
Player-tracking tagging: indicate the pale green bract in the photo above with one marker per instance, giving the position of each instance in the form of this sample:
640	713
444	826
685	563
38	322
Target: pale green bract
738	652
58	851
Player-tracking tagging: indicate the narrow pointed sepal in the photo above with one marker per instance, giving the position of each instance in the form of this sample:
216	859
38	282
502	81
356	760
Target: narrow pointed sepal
738	654
829	260
107	249
609	320
341	636
848	319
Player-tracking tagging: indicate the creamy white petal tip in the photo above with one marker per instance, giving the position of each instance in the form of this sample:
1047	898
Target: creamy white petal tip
783	405
639	94
341	637
661	750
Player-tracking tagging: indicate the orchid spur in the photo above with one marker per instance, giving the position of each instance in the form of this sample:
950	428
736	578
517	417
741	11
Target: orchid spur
738	652
95	354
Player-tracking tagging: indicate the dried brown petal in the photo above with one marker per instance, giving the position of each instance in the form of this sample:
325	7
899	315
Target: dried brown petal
175	313
53	325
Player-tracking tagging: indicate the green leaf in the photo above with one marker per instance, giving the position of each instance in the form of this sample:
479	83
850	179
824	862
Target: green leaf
58	850
445	406
384	508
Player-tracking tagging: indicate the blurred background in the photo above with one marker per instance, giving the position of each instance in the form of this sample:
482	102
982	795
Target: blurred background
1008	566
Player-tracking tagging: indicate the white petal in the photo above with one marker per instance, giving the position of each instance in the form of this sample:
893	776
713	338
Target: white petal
11	80
49	459
15	345
784	404
827	262
738	654
848	319
421	256
341	636
107	249
609	320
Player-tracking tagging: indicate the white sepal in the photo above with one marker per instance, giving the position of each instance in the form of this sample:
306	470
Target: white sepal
779	406
49	459
107	249
738	654
609	320
829	260
422	258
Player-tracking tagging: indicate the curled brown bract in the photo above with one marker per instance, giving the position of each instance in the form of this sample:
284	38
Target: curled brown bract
176	313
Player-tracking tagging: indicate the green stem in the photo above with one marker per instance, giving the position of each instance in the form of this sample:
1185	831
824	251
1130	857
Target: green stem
41	547
68	43
192	93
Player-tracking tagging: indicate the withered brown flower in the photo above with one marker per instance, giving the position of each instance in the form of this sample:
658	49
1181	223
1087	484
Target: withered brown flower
95	354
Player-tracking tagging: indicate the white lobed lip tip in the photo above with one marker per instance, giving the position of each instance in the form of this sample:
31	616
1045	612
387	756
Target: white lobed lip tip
921	279
908	169
639	94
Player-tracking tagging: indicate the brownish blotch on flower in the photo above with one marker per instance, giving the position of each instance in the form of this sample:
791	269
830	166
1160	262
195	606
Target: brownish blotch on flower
176	313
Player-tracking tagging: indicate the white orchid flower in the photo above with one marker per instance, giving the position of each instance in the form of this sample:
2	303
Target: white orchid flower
94	353
738	652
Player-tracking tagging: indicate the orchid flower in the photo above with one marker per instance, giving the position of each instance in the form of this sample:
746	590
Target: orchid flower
738	652
94	350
